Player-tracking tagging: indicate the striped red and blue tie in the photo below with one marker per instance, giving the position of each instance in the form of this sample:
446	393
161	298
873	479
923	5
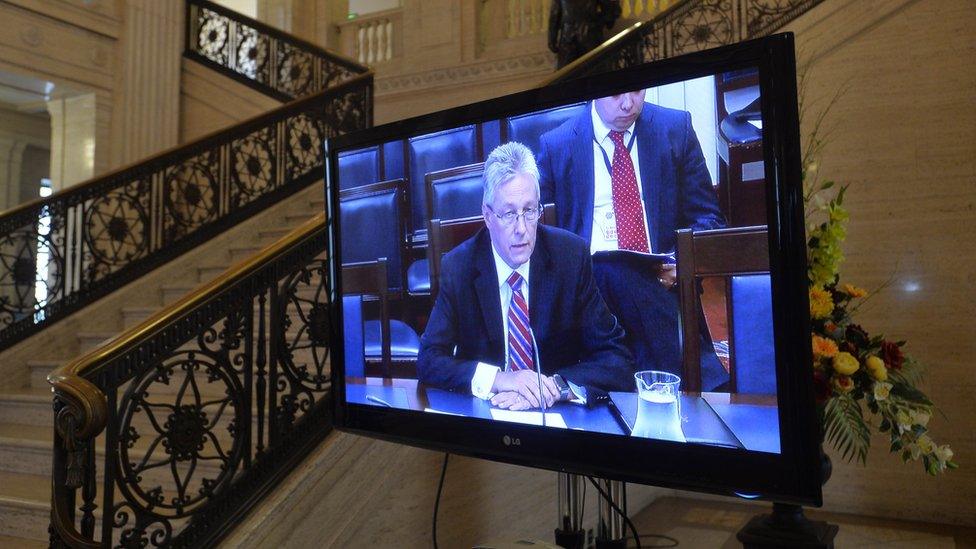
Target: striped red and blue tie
520	351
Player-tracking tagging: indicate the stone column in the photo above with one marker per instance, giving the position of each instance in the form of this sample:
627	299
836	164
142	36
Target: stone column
73	139
147	107
11	156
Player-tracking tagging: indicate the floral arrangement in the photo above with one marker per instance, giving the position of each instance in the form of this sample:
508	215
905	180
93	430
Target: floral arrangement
854	370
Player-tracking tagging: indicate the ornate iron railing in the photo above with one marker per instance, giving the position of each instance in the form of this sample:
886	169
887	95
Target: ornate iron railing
62	252
688	26
172	431
276	63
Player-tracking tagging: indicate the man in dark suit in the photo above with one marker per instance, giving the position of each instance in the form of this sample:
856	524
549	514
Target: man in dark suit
516	297
624	175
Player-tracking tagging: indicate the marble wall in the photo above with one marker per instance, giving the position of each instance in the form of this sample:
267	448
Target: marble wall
902	134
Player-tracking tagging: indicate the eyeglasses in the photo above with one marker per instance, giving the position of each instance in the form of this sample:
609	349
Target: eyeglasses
509	218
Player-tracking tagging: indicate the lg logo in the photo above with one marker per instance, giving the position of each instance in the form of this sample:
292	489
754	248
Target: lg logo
511	441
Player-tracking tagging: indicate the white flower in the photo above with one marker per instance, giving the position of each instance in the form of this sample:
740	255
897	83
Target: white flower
881	390
915	451
944	453
920	417
904	421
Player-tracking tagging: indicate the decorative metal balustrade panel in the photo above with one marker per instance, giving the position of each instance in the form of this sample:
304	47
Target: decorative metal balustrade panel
695	25
207	411
69	249
261	56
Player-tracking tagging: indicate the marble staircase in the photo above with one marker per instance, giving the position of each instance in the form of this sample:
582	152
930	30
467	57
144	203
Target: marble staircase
26	431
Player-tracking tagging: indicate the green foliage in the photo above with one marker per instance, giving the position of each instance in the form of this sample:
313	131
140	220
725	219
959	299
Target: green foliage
845	428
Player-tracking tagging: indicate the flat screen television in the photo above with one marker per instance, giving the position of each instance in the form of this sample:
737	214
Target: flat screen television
656	334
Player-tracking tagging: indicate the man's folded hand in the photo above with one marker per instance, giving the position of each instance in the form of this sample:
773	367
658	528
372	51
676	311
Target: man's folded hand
526	384
510	400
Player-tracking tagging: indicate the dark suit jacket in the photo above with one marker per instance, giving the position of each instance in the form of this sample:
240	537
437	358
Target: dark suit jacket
677	189
576	335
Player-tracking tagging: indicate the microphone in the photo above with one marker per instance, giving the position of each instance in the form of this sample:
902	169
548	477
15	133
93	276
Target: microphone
538	373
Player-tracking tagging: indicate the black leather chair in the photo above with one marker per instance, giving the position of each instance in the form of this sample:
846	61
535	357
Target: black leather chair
433	152
449	194
372	226
359	167
528	128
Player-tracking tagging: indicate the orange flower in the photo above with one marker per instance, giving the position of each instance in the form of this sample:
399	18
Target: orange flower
853	291
823	347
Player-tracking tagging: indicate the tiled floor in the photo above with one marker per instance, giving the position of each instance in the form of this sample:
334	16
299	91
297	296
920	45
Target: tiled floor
707	524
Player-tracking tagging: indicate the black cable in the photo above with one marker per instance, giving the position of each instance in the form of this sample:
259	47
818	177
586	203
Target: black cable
674	542
613	506
437	500
582	515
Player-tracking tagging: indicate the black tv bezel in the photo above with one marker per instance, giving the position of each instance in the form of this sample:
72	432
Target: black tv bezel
792	476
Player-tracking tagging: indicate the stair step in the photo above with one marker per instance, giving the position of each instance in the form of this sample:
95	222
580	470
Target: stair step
10	542
90	340
132	316
274	234
173	292
295	219
208	273
39	369
25	449
27	407
25	505
317	204
240	253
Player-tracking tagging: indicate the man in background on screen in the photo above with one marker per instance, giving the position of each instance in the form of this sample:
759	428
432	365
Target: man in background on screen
518	318
625	175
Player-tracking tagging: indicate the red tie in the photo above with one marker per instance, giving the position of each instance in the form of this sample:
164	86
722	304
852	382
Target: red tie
519	336
631	231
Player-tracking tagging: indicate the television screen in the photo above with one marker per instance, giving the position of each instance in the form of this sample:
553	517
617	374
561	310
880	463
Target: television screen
604	276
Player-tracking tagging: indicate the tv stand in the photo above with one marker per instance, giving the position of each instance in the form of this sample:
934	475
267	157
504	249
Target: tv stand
787	526
611	530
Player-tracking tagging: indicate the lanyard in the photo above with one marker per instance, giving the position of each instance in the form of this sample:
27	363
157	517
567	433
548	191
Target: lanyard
606	159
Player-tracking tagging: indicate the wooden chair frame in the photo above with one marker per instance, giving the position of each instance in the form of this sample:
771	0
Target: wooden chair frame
718	252
370	278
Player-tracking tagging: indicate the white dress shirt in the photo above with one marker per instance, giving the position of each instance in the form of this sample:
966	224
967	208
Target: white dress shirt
604	235
484	375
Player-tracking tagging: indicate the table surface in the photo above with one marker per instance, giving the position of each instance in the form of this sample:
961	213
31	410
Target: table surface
737	420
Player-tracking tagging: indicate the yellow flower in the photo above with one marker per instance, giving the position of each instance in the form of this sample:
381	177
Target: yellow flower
876	368
842	384
823	347
845	363
925	444
853	290
821	305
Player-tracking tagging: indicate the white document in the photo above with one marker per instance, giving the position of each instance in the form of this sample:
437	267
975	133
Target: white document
528	418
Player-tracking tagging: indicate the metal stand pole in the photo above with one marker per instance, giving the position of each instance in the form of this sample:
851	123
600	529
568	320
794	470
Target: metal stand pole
570	533
611	532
